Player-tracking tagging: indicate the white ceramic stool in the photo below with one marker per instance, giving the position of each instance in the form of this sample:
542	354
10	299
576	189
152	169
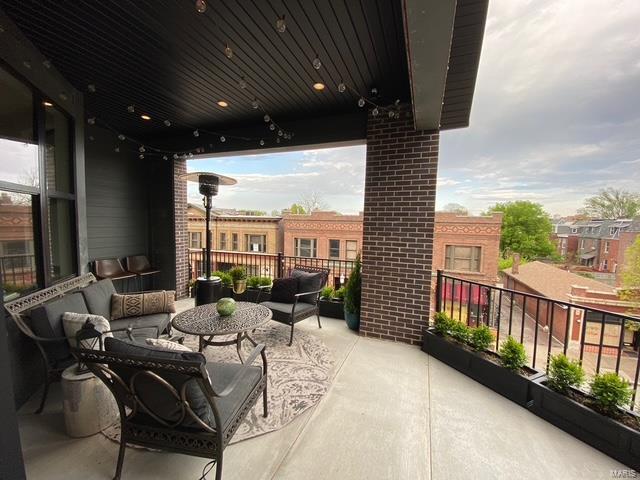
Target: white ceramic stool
89	406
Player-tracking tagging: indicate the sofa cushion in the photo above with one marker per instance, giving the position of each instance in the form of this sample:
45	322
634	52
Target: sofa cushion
46	321
146	326
98	297
284	290
155	396
137	304
167	344
309	282
72	322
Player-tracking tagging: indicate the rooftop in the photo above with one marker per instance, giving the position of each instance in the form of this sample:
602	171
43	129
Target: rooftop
553	282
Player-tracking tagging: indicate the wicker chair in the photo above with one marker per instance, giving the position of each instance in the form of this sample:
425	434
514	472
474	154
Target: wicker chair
305	304
175	401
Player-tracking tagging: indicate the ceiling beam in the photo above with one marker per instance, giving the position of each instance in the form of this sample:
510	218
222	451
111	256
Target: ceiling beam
428	33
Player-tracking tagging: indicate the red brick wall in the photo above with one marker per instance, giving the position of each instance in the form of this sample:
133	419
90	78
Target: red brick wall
626	240
180	219
399	207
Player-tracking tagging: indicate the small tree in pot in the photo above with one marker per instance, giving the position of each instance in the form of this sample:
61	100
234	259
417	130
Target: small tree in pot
353	296
239	279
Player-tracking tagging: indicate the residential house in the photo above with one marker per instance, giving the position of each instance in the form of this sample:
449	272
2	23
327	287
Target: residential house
627	237
599	244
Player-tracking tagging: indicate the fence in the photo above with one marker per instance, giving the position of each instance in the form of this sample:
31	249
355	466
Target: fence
18	271
598	338
267	264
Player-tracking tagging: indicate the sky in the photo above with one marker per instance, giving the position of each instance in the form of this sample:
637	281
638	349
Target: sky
555	118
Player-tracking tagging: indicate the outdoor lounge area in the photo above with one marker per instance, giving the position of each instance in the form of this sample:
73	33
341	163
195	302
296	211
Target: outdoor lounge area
109	370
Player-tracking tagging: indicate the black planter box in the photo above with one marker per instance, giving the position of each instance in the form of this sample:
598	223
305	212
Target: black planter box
331	309
601	432
501	380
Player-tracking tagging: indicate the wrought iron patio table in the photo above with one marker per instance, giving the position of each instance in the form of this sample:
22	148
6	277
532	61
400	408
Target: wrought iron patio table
206	323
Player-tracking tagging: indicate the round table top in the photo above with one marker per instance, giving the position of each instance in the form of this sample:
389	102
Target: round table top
205	320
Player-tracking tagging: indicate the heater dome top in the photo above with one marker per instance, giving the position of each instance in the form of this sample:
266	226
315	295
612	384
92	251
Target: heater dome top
203	177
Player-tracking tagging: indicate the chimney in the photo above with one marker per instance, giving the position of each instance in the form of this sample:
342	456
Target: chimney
515	267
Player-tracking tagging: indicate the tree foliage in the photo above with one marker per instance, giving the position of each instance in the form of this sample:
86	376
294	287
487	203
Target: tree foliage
526	229
631	274
455	208
297	209
313	201
611	203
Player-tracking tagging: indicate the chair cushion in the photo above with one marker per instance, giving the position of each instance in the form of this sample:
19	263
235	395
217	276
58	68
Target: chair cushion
46	321
72	322
284	290
156	397
137	304
167	344
308	282
98	297
144	326
221	375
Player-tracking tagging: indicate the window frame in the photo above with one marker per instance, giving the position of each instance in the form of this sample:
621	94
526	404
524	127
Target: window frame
334	257
234	242
191	237
313	247
449	266
263	242
222	238
347	250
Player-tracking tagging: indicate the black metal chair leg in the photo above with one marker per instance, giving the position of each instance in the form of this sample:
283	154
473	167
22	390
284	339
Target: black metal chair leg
219	466
319	324
123	447
264	402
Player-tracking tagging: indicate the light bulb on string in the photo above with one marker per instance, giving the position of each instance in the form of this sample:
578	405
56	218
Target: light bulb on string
91	120
196	133
272	127
342	87
375	112
167	123
266	117
280	133
374	92
281	25
175	156
201	6
278	140
222	139
190	155
131	109
141	149
255	104
141	156
317	64
242	83
261	142
121	137
164	157
46	63
391	114
91	88
117	149
228	52
361	102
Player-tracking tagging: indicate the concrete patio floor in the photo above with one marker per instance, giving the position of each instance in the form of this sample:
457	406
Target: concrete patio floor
392	413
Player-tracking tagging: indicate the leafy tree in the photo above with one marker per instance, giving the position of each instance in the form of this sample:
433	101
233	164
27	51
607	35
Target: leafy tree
455	208
526	229
297	209
313	201
612	203
631	274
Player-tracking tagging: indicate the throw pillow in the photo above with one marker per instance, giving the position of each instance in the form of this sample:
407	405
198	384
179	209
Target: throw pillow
138	304
284	290
72	322
167	344
309	282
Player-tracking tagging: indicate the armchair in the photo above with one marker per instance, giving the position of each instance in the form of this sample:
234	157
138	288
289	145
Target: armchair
305	304
175	401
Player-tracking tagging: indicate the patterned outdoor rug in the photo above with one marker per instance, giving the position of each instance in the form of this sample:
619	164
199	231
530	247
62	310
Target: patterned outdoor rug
298	377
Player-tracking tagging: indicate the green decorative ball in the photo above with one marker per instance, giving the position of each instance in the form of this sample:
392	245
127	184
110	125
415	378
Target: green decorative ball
226	306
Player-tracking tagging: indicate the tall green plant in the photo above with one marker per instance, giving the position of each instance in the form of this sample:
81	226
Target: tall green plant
353	295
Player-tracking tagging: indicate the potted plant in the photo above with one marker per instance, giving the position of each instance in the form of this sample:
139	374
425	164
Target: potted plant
338	295
256	286
467	350
599	418
353	296
239	278
329	305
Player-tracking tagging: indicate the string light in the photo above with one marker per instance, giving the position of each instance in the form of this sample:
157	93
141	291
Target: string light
261	142
317	64
46	64
266	117
167	123
375	112
141	156
272	127
201	6
117	149
242	83
91	88
361	102
228	52
281	25
255	104
121	137
142	149
131	109
196	133
222	139
164	157
91	120
342	87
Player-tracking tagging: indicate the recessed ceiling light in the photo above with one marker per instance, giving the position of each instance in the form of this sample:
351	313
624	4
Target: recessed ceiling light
223	104
145	117
318	86
47	104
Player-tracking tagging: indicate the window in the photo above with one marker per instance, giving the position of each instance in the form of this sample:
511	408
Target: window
196	240
223	241
352	249
462	258
36	190
256	243
305	247
334	248
574	230
582	244
605	265
234	242
606	247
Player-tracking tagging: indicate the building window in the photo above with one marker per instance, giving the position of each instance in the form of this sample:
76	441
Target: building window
234	242
574	230
605	265
606	247
462	258
37	200
352	249
256	243
196	240
582	244
223	241
334	248
306	247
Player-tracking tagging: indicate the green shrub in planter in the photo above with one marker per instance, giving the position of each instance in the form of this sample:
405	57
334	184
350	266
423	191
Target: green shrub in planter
442	323
459	331
610	392
225	278
265	281
512	354
339	293
480	338
253	282
327	292
238	273
564	374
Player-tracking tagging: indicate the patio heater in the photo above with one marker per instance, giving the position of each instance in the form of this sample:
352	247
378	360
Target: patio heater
208	288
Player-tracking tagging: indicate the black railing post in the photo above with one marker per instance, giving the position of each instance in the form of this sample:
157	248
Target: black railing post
438	290
279	265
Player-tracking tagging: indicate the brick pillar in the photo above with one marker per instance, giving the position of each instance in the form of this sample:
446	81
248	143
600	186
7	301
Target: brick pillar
180	215
399	204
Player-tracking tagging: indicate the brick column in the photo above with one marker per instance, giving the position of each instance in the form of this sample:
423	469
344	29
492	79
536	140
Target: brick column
399	204
180	216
